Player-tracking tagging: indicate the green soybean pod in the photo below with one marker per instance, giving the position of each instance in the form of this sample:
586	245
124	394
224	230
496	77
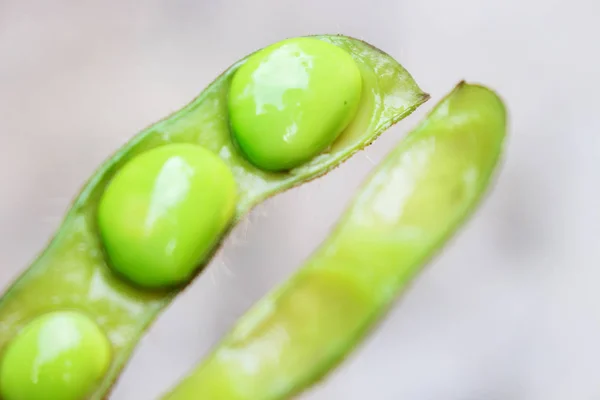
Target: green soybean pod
413	202
86	268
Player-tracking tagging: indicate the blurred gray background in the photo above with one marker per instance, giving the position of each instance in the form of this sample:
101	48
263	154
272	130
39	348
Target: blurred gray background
511	309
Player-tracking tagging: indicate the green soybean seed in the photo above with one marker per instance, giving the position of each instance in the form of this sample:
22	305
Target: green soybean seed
75	271
414	201
291	100
163	212
58	356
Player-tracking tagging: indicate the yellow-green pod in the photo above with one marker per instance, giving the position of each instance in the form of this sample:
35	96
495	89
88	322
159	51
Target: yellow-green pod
121	263
413	202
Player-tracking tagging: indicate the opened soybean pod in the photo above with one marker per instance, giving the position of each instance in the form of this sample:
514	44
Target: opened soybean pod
155	212
408	208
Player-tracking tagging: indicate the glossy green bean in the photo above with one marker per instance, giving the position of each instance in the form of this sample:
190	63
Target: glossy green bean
407	209
292	127
73	272
63	352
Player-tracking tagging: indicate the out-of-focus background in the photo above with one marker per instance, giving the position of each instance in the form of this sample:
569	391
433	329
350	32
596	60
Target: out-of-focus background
511	309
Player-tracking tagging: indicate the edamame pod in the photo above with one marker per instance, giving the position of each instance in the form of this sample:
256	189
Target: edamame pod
156	196
408	208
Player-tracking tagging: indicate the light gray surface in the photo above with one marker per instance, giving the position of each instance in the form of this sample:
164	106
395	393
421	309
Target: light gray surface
511	311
